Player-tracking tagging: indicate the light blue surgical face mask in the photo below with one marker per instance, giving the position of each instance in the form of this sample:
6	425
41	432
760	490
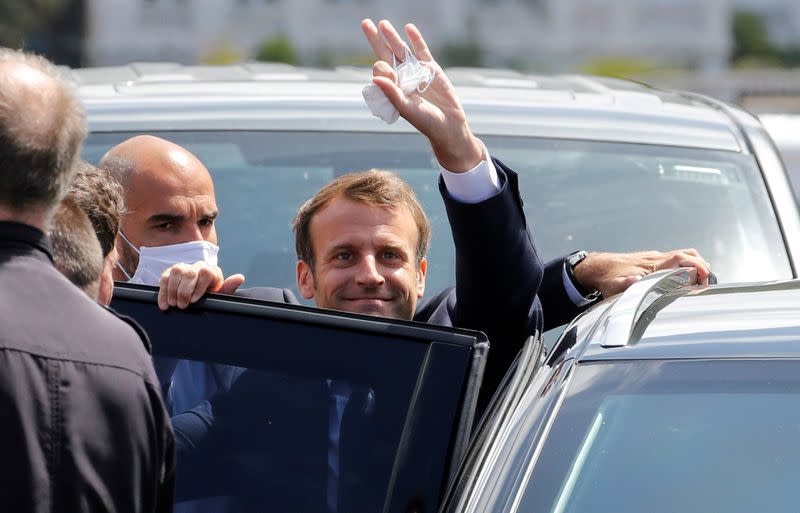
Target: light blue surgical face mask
153	261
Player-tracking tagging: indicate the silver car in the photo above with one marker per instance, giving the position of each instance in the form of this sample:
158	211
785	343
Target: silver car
625	411
604	164
784	130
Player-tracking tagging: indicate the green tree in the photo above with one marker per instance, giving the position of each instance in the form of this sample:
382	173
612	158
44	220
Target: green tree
277	49
20	18
618	67
223	53
751	37
790	56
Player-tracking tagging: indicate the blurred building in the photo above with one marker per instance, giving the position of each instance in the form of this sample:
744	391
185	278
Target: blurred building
549	34
782	18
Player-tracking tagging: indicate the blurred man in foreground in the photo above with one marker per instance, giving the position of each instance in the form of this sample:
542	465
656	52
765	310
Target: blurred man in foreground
84	428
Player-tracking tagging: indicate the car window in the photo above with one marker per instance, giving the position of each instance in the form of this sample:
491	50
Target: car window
309	410
783	129
673	436
577	194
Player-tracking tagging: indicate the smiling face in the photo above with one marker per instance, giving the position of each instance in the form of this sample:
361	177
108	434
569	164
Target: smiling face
365	260
169	199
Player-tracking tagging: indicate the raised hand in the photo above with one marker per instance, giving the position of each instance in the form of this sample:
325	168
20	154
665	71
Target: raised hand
436	112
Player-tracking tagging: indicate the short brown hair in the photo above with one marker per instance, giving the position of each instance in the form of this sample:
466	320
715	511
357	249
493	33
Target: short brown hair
99	194
41	128
76	250
375	188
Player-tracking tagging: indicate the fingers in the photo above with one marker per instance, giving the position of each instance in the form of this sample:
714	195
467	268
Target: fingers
385	41
183	284
617	285
418	43
393	40
379	46
208	278
700	265
170	281
231	284
689	257
383	69
393	93
690	251
163	287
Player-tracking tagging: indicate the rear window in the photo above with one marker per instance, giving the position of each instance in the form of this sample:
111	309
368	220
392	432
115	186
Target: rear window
675	436
593	195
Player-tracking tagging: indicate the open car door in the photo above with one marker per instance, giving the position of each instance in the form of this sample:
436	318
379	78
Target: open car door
302	409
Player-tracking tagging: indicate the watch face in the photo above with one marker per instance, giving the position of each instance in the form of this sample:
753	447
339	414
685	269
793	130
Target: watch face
576	258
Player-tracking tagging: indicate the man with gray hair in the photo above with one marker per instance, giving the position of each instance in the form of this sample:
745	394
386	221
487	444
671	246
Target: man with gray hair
84	427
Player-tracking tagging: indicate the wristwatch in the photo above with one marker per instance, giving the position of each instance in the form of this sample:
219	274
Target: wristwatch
572	262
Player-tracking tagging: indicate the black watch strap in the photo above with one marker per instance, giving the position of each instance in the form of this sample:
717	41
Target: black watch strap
571	262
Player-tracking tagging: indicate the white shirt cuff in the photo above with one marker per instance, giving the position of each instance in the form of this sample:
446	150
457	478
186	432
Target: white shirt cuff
574	296
478	184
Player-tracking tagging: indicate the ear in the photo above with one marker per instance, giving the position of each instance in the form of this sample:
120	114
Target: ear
106	288
305	280
421	270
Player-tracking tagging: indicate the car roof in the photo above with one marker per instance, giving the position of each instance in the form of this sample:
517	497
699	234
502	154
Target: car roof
661	317
272	96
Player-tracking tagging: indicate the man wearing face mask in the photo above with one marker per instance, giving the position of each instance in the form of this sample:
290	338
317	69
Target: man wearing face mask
169	226
171	208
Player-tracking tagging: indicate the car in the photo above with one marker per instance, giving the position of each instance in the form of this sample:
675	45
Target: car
604	164
783	128
668	398
262	444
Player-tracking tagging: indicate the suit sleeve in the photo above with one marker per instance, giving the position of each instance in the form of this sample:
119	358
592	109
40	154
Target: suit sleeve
269	294
498	273
557	307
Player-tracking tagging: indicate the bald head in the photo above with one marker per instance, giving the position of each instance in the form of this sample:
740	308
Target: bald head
147	154
169	196
41	128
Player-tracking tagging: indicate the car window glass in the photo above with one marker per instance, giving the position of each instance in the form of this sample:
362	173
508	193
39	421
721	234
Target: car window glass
287	408
626	197
674	436
577	194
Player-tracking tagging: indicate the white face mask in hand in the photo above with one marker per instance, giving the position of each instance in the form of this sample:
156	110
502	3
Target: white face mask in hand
412	75
153	261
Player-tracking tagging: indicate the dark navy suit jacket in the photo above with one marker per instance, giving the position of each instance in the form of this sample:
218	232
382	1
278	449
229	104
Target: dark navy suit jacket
498	279
502	288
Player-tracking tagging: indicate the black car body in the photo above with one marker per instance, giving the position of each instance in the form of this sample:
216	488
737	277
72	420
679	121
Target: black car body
669	397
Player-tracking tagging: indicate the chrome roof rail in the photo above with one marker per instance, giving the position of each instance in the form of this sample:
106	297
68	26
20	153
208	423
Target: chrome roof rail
620	320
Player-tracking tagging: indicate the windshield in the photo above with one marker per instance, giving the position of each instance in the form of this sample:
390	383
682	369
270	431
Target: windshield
674	436
578	195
